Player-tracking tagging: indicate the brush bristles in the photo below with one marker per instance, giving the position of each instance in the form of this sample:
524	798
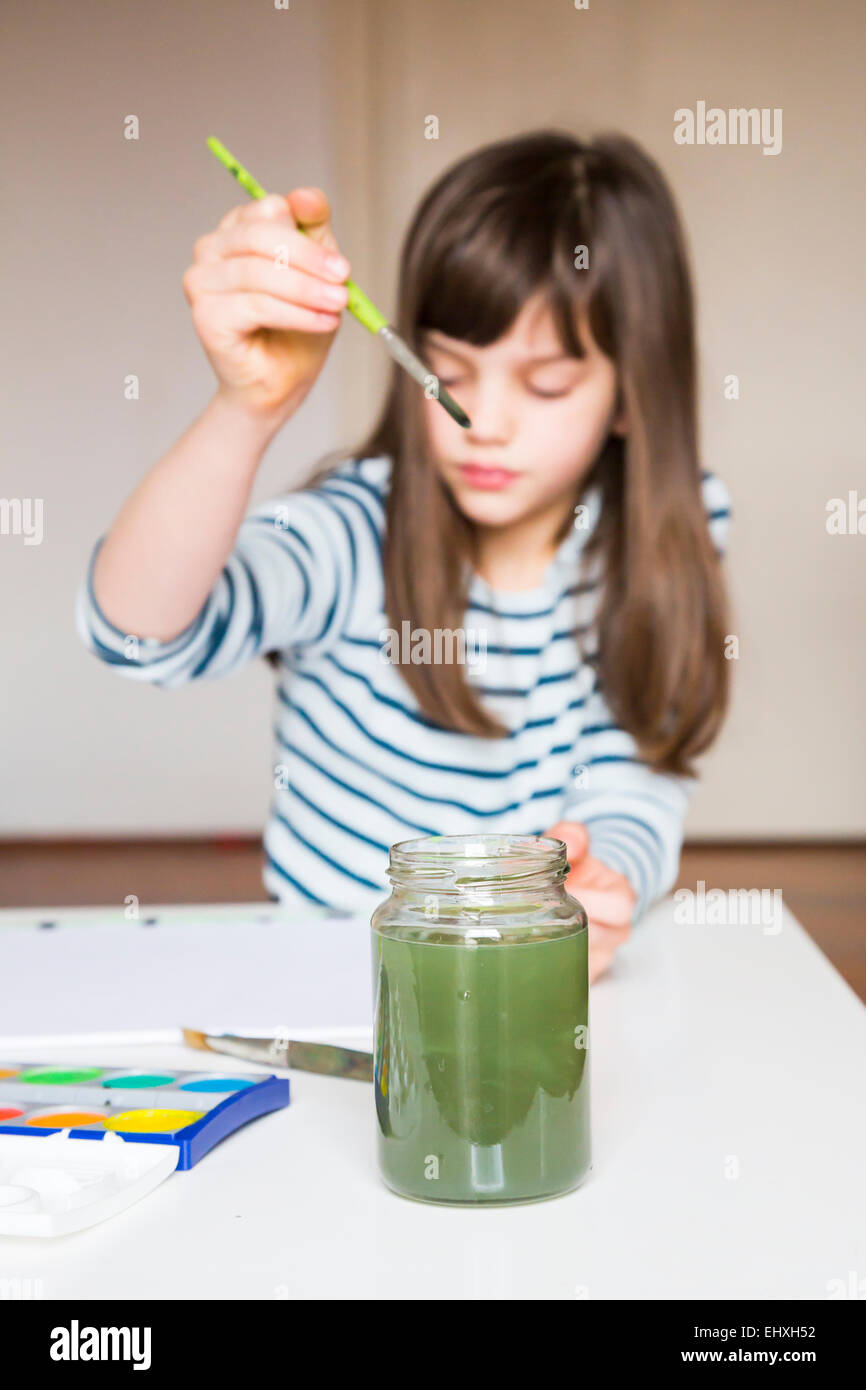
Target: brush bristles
454	410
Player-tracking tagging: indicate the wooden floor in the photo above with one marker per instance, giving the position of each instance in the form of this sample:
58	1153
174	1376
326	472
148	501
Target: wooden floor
823	885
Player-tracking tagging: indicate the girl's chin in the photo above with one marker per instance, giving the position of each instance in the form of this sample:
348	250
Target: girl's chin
493	510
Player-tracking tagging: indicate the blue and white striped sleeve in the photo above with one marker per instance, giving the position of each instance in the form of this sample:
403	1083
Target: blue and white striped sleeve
288	583
634	813
717	505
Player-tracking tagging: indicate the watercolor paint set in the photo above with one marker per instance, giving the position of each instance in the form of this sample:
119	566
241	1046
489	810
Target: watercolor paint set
146	1123
190	1110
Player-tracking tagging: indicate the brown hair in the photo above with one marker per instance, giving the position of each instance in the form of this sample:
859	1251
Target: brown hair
500	225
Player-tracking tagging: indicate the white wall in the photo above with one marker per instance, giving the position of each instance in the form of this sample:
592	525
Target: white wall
337	93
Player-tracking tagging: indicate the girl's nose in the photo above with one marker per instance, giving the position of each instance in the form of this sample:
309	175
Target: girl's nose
490	407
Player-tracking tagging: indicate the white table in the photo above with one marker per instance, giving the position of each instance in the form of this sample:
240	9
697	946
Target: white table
728	1132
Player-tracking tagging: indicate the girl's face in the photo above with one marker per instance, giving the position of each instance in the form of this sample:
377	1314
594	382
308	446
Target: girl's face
539	418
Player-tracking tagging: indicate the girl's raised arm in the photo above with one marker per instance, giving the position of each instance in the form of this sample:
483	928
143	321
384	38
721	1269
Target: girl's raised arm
300	562
266	302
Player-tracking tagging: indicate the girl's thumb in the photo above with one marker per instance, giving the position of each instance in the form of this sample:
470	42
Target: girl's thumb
576	837
312	212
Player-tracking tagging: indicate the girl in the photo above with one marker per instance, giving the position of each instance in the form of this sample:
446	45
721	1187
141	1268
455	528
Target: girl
516	627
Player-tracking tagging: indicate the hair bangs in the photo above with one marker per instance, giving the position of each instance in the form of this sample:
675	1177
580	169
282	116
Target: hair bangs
478	284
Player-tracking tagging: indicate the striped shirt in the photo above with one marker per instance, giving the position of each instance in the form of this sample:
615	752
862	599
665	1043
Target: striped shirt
358	766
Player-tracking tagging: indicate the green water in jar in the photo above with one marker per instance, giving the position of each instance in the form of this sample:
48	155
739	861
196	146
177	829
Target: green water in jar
482	1069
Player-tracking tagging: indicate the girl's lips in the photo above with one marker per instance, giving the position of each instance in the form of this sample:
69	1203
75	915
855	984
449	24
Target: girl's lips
478	475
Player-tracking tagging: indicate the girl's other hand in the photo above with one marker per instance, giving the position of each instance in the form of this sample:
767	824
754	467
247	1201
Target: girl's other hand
266	299
608	896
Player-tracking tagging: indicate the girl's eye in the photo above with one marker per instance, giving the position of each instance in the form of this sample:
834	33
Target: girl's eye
548	395
449	381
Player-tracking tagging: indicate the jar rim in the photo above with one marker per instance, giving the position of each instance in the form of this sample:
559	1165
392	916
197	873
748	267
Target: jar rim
470	860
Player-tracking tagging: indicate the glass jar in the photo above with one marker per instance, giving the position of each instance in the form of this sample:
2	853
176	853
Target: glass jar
481	980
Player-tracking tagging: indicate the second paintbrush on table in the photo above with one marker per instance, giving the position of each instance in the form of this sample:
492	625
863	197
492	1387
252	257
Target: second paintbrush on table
324	1058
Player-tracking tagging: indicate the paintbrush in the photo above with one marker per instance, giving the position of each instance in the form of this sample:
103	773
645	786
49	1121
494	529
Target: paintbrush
363	308
277	1051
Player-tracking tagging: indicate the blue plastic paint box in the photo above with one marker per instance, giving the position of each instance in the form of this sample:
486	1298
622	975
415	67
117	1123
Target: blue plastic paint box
191	1110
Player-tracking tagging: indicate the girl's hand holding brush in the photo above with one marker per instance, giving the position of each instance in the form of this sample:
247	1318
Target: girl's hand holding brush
267	300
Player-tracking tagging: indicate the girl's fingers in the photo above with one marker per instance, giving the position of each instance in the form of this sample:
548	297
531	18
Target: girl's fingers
275	241
233	217
599	962
312	211
254	274
605	935
613	909
258	209
603	945
262	211
273	223
575	837
247	312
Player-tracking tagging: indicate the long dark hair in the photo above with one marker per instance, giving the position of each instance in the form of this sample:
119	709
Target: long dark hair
500	225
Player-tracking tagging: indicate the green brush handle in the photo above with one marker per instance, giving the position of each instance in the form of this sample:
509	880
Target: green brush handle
359	305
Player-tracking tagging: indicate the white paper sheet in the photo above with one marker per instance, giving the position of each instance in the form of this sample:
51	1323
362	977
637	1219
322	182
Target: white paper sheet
308	977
